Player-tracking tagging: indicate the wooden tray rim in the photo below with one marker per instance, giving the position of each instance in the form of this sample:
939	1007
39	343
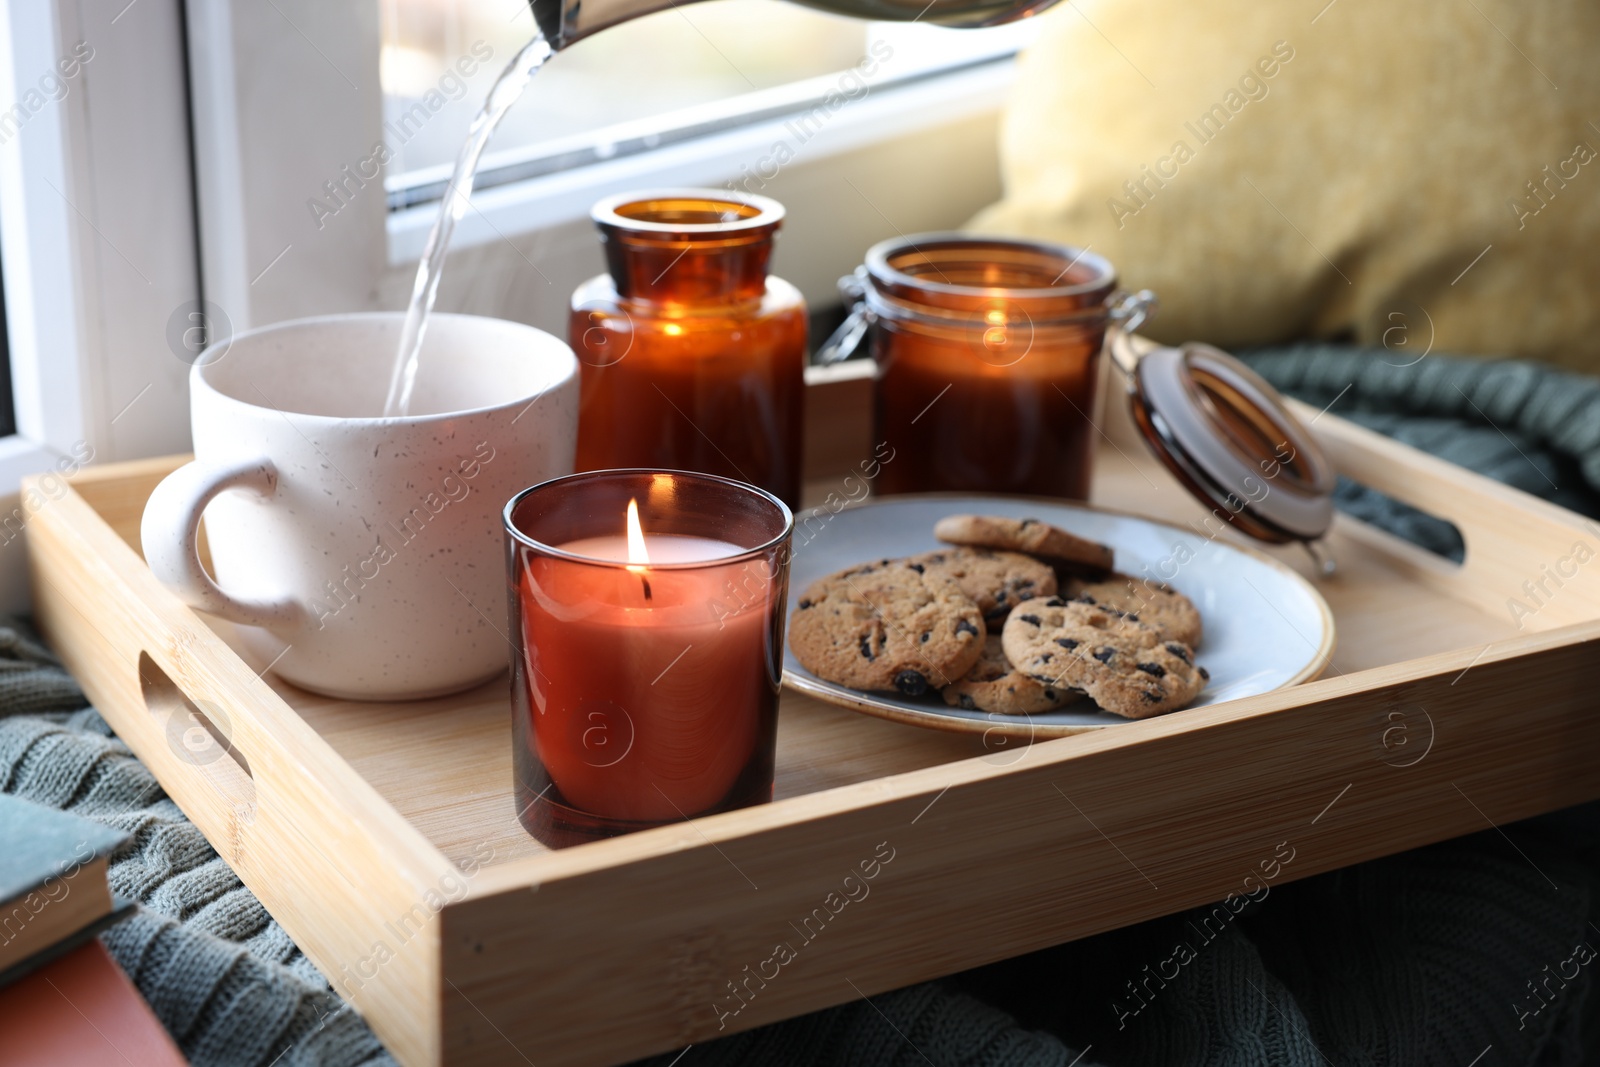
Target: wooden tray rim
421	856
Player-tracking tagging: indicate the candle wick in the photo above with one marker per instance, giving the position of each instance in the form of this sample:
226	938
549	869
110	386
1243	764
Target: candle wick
646	583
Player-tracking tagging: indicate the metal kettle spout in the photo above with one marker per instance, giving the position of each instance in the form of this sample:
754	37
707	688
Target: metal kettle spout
565	21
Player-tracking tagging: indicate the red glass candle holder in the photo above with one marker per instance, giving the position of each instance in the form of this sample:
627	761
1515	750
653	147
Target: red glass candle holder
643	693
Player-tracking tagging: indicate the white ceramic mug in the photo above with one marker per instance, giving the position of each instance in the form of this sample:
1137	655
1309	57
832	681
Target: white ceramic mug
363	556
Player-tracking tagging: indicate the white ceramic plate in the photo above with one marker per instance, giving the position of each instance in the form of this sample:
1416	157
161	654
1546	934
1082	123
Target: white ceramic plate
1265	626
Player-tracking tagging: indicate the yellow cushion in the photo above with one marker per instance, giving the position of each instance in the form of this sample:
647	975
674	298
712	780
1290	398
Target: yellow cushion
1274	177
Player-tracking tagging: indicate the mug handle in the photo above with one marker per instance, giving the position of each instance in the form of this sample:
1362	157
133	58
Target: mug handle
170	533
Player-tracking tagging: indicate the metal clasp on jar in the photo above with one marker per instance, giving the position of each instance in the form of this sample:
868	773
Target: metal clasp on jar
843	342
1128	312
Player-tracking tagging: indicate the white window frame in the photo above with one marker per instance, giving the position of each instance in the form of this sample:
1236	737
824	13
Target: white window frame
262	67
896	111
181	153
97	240
181	159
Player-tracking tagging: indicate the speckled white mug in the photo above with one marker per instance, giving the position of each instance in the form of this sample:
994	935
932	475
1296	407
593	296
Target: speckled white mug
362	556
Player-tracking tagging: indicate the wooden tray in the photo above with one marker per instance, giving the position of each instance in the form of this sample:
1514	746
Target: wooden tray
383	836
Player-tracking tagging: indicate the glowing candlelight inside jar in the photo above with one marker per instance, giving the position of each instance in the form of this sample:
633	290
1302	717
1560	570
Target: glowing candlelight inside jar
650	687
988	353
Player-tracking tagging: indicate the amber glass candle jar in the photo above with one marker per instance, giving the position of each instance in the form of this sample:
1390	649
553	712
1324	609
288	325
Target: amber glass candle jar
988	353
692	357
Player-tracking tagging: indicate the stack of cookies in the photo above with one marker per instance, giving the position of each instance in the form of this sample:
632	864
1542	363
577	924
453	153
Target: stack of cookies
1017	617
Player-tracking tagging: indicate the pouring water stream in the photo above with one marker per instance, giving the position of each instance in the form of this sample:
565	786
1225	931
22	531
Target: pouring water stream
508	88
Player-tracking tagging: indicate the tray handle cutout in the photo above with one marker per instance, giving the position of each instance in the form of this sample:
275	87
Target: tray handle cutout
200	734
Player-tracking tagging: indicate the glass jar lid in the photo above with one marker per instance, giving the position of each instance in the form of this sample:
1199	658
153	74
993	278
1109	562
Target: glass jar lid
1229	438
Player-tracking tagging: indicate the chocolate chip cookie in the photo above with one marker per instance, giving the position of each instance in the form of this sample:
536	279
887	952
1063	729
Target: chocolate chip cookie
887	625
994	685
1154	603
1127	667
996	581
1050	544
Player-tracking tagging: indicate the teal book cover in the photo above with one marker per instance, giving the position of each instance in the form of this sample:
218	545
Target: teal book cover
53	891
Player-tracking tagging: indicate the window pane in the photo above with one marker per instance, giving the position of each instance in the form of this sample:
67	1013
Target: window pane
440	56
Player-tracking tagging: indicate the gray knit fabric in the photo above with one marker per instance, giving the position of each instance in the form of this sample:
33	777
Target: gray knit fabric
1528	425
221	975
1535	428
1427	958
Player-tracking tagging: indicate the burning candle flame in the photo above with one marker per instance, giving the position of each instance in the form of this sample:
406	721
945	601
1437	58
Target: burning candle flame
636	551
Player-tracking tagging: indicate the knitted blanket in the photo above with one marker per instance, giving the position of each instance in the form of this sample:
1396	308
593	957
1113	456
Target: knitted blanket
221	975
1474	952
1529	426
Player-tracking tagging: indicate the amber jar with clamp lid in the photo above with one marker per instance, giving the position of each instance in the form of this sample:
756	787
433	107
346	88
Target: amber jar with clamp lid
987	351
988	360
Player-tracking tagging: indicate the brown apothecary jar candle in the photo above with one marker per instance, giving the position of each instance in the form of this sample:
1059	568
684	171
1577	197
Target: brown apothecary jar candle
988	353
692	357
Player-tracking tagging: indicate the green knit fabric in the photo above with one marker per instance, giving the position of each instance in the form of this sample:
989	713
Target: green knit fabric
1521	423
1532	427
220	974
1450	955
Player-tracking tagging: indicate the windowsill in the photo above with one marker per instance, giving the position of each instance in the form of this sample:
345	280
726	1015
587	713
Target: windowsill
20	457
745	157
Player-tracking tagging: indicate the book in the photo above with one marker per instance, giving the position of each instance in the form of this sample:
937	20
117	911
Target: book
81	1009
53	890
